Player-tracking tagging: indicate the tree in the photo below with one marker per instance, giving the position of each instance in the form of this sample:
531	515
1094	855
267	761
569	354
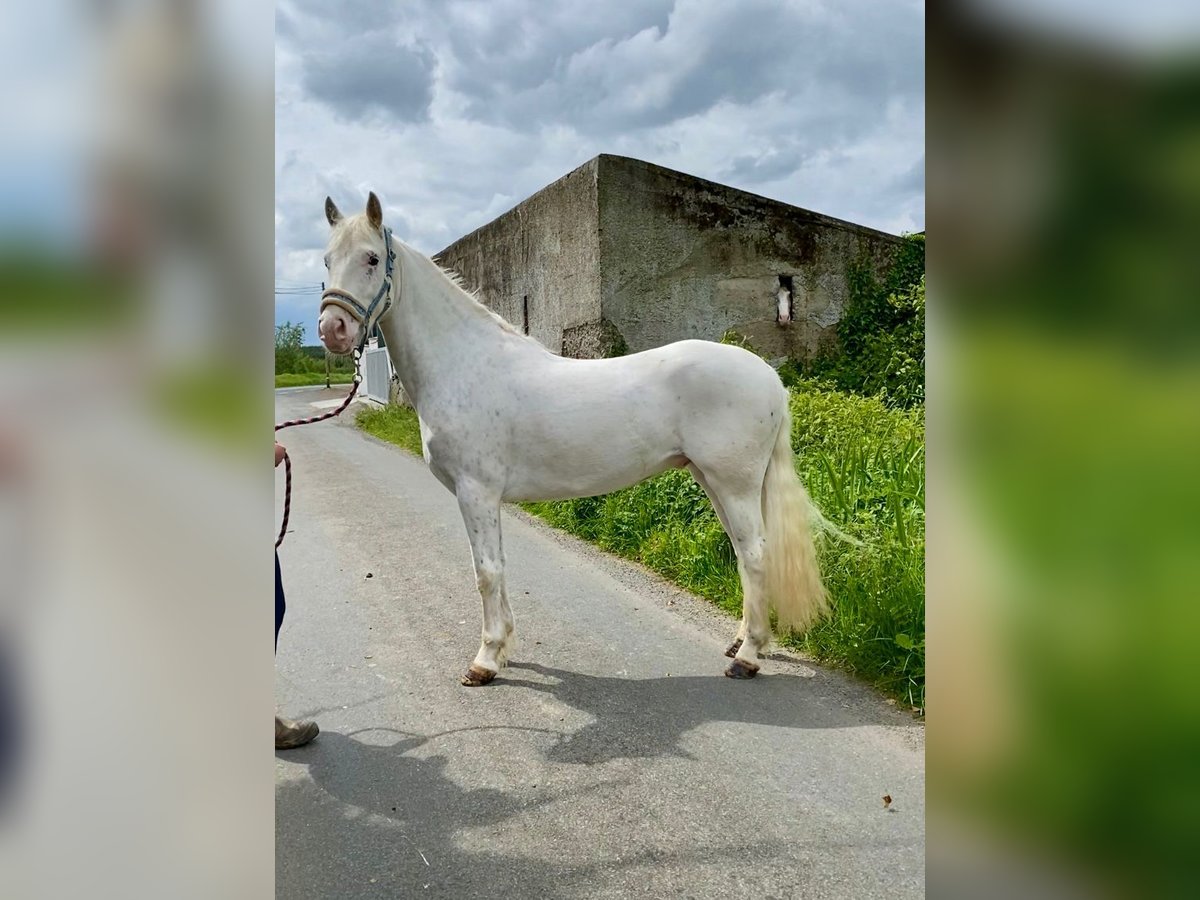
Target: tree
289	355
881	337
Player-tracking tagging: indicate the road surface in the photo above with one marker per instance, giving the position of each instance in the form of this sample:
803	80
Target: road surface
611	759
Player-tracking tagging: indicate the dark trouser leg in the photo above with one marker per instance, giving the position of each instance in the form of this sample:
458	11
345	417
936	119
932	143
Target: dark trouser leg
288	735
280	606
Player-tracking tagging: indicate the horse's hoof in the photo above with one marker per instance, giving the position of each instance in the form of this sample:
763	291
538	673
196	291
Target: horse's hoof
740	668
732	649
477	676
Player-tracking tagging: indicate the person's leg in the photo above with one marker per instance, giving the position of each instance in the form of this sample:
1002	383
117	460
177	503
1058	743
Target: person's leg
288	734
280	605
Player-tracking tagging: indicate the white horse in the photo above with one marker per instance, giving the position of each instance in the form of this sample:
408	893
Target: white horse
502	418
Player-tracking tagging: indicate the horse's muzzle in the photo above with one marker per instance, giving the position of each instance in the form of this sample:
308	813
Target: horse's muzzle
336	330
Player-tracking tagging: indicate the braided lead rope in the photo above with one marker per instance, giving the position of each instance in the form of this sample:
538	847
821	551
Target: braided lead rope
287	460
338	411
287	497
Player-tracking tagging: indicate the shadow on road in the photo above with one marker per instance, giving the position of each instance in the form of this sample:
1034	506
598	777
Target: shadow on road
379	821
639	718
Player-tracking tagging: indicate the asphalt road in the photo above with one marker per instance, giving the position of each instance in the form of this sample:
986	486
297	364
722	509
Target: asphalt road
611	759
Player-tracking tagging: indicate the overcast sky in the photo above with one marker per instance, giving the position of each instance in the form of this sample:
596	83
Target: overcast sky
453	112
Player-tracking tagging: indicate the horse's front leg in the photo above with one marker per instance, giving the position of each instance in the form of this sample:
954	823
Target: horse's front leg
480	509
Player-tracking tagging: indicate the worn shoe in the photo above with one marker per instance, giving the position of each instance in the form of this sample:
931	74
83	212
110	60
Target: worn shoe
289	734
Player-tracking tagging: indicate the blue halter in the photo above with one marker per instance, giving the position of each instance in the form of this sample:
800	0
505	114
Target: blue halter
348	302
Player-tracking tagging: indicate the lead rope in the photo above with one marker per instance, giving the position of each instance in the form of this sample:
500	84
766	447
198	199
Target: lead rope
287	497
287	460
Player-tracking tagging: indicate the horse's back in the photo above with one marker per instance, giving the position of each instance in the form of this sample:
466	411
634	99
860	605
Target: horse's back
707	362
677	380
696	377
706	359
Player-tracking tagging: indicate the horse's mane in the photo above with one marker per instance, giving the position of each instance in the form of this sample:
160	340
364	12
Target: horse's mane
477	306
357	226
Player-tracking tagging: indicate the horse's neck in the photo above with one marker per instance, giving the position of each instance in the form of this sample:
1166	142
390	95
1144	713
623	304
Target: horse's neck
433	327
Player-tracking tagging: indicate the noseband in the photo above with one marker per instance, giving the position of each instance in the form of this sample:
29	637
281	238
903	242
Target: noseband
366	316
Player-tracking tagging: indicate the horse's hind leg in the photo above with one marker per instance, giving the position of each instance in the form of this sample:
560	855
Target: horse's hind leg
480	510
740	510
733	648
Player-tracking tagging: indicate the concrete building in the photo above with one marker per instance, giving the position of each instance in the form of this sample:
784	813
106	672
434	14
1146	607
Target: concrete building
624	255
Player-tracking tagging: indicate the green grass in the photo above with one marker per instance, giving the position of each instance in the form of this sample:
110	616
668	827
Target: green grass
397	424
304	379
863	463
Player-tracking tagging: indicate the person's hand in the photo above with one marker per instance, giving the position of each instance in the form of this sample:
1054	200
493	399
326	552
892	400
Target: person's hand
279	452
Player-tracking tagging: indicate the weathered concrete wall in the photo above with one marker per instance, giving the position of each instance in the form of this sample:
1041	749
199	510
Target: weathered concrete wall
621	254
683	257
541	260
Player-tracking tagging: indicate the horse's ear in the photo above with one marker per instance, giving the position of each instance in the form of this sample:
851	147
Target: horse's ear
374	212
331	212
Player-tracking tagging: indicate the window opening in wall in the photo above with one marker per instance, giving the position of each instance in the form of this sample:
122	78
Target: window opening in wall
785	301
525	314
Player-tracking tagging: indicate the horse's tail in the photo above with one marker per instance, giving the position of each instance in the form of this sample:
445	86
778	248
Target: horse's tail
793	579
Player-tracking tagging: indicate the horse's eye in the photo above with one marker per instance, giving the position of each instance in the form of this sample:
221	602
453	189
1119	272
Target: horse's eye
374	260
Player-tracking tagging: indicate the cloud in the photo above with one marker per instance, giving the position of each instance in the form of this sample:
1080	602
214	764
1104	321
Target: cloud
648	72
374	76
358	59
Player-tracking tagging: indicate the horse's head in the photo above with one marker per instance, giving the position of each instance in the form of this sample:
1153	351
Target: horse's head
359	289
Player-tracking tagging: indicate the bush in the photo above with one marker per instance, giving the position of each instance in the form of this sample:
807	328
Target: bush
881	337
864	465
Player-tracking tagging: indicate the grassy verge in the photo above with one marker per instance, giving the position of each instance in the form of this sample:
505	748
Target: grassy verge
864	465
397	424
305	379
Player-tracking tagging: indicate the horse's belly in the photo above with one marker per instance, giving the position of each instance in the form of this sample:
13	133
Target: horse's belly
586	470
568	488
